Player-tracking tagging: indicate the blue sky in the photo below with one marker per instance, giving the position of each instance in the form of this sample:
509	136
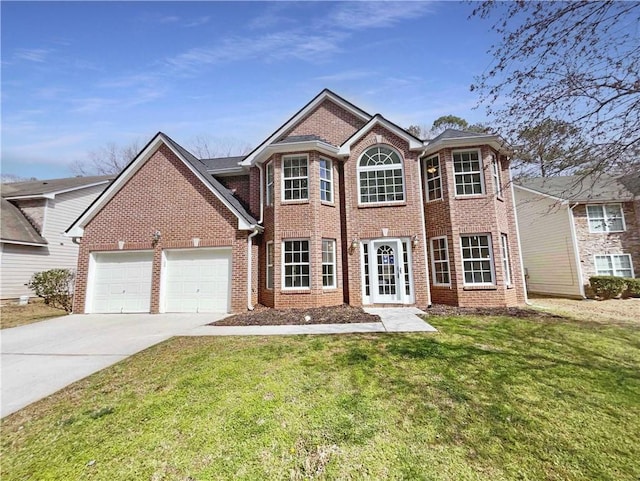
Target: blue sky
78	75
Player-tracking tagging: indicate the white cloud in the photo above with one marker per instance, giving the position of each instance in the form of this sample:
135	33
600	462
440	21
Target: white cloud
32	54
363	15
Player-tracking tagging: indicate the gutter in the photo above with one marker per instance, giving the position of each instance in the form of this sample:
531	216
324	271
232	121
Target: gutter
424	230
257	228
515	219
576	249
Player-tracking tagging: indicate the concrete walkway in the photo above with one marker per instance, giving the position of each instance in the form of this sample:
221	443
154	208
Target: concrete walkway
393	319
41	358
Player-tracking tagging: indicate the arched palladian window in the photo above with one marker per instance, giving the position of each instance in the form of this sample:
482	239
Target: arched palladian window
380	175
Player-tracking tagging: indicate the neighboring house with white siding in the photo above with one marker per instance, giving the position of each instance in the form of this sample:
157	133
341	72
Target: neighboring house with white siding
575	227
34	216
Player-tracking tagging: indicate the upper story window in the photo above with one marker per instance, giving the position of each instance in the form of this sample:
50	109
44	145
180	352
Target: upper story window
270	183
433	178
605	218
326	180
467	168
380	176
295	177
495	173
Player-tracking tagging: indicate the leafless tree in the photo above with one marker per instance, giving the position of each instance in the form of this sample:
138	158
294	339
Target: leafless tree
10	178
576	61
207	147
108	159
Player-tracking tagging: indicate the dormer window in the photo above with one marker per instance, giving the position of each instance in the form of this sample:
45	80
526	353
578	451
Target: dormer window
380	176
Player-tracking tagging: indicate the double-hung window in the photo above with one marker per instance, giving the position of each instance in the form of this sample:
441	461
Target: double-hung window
605	218
467	168
433	178
380	176
295	262
495	173
328	263
270	183
440	261
269	282
326	180
295	177
614	265
477	260
506	264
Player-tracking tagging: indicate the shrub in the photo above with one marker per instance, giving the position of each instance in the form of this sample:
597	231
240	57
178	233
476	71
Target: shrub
55	286
607	287
633	288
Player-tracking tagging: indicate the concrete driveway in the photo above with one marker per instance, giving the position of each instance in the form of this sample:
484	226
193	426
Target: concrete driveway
42	358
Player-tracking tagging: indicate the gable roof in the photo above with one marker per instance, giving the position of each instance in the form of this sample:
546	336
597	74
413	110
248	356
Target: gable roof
16	228
245	220
457	134
578	188
223	164
51	187
326	94
414	142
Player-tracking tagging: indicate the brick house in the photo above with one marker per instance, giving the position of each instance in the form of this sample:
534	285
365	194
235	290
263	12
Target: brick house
573	227
336	206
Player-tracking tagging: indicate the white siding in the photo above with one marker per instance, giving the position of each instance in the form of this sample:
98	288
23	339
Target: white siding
548	251
19	262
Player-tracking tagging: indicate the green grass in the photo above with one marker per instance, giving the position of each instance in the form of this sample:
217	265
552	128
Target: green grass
486	398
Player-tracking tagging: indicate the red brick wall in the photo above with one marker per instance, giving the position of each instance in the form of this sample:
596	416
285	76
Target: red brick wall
487	213
164	195
402	220
591	244
240	185
329	121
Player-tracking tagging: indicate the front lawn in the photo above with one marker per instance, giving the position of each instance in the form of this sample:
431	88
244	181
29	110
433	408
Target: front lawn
14	315
486	398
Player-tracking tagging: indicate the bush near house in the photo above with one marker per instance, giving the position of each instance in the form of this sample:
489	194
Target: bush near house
633	288
55	286
608	287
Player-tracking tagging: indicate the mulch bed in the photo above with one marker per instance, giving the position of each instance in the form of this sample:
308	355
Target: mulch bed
345	314
265	316
523	313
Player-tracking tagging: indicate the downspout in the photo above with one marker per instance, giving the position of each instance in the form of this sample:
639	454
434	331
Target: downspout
255	232
576	249
424	230
515	219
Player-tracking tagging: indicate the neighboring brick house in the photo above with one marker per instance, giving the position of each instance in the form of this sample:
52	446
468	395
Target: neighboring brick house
573	227
35	215
336	206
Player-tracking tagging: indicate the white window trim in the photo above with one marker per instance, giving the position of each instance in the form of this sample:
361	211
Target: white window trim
492	264
604	213
595	265
426	179
282	263
433	261
483	188
288	157
495	173
269	187
330	180
371	168
270	266
334	264
506	259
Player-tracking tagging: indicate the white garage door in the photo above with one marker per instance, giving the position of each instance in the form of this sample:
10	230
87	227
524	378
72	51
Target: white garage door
197	280
121	282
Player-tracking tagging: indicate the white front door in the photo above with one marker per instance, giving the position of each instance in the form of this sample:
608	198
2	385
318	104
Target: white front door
387	280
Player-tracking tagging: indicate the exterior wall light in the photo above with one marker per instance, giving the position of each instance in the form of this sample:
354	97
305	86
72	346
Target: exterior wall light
354	245
156	237
414	240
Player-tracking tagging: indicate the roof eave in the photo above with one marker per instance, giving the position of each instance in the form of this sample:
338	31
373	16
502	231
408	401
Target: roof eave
307	145
494	141
52	195
415	144
24	243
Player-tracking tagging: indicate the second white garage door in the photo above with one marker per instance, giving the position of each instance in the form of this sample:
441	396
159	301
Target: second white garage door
197	280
